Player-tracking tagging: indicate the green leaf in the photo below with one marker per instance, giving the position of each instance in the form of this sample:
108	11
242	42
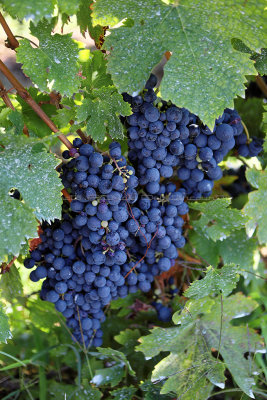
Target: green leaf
84	20
117	356
68	7
70	392
217	221
66	114
33	173
222	280
210	72
109	376
34	123
4	327
16	118
18	223
201	329
10	285
95	72
53	65
43	314
102	113
256	208
261	61
185	370
205	248
125	393
152	392
251	111
239	249
29	9
128	338
187	377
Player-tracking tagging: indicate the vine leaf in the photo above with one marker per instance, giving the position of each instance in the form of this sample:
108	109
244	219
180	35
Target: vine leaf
191	344
85	392
128	338
102	113
4	327
29	9
18	224
251	112
68	7
205	248
256	207
36	126
217	221
116	356
10	285
53	64
236	248
204	73
260	59
239	249
95	72
109	376
102	105
124	393
42	314
152	392
222	280
32	172
84	20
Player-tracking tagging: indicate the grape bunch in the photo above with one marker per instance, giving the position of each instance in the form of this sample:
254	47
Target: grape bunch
163	138
81	256
111	240
78	289
124	223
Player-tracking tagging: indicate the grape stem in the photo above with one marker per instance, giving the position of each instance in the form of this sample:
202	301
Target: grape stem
12	41
246	130
148	244
25	95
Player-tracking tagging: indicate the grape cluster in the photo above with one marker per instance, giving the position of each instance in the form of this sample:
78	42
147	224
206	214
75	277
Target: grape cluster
109	243
78	289
163	137
122	228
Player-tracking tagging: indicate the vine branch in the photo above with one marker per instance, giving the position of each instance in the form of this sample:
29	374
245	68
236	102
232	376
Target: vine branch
25	95
4	95
11	38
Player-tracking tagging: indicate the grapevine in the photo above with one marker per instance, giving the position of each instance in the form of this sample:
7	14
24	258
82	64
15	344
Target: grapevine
133	200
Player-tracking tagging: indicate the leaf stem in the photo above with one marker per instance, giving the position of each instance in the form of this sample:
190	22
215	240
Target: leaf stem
13	43
22	37
221	324
25	95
